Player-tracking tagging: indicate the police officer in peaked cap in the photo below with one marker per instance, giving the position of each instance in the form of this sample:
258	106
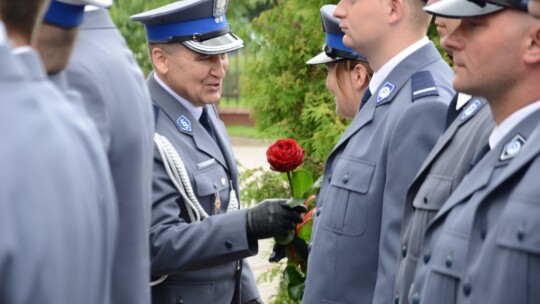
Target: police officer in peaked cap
114	94
349	73
57	211
477	248
199	237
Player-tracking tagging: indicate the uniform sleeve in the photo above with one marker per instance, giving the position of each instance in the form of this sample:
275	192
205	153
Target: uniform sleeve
177	246
414	135
81	80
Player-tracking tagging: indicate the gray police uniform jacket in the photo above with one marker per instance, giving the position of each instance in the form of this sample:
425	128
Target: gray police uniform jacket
441	173
482	246
57	209
201	258
365	182
103	71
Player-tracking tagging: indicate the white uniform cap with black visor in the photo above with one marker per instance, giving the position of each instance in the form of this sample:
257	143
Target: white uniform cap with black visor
333	48
472	8
198	24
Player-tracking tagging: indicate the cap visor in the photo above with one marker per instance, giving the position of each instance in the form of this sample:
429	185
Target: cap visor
460	8
218	45
99	3
322	58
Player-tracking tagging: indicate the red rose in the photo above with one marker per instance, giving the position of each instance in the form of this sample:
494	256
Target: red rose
285	155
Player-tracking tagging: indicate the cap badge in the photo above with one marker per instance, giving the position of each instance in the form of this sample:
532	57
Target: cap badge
471	110
386	90
220	7
184	123
512	148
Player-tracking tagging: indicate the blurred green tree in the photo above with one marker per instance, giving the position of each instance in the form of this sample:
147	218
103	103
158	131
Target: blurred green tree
288	96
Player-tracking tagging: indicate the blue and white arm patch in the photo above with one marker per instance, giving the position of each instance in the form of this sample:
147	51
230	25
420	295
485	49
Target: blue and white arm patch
423	85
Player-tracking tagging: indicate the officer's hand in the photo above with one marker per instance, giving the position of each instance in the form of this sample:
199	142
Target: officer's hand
272	218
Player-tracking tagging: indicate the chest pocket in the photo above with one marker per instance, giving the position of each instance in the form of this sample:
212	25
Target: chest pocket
518	241
211	180
519	227
346	200
433	193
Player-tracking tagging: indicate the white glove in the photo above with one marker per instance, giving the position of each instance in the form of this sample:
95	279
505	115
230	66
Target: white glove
98	3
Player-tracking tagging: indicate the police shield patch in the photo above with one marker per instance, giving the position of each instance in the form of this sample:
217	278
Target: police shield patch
184	123
512	148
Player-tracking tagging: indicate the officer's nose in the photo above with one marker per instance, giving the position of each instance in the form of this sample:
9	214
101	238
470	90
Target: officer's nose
220	65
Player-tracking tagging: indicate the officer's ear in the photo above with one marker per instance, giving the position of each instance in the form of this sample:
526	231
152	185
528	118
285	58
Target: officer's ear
360	77
396	10
160	60
532	53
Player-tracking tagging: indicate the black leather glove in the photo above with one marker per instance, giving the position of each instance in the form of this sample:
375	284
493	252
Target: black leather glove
299	249
272	218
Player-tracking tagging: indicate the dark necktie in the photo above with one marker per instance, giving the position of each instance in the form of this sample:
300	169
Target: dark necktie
365	98
205	122
479	155
452	111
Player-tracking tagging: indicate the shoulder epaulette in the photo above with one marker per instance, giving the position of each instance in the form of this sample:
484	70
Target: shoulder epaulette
423	85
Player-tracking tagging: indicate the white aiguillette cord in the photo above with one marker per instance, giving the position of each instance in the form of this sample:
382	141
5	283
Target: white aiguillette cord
178	175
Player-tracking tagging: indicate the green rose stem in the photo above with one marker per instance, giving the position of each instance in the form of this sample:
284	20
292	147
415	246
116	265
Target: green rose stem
290	182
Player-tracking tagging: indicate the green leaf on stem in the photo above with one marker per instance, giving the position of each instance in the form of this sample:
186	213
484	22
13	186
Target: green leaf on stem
294	280
305	232
301	182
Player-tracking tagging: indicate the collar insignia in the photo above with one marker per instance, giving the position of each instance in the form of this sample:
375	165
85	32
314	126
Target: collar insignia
512	148
471	109
184	123
386	90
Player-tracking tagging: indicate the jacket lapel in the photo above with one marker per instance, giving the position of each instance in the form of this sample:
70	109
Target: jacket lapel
397	78
186	124
481	176
445	139
225	144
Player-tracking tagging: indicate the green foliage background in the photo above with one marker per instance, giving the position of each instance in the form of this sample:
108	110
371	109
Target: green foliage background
289	97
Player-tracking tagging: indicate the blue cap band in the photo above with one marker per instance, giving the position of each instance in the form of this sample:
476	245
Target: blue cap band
163	32
64	15
336	42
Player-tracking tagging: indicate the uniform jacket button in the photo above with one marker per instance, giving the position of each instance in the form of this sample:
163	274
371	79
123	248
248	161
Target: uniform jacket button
180	301
427	256
415	298
404	250
448	261
396	299
345	179
318	212
228	244
483	233
467	288
425	200
520	233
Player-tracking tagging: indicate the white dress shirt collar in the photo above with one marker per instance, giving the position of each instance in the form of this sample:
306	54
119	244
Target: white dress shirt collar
510	122
462	100
22	49
3	35
196	112
380	75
